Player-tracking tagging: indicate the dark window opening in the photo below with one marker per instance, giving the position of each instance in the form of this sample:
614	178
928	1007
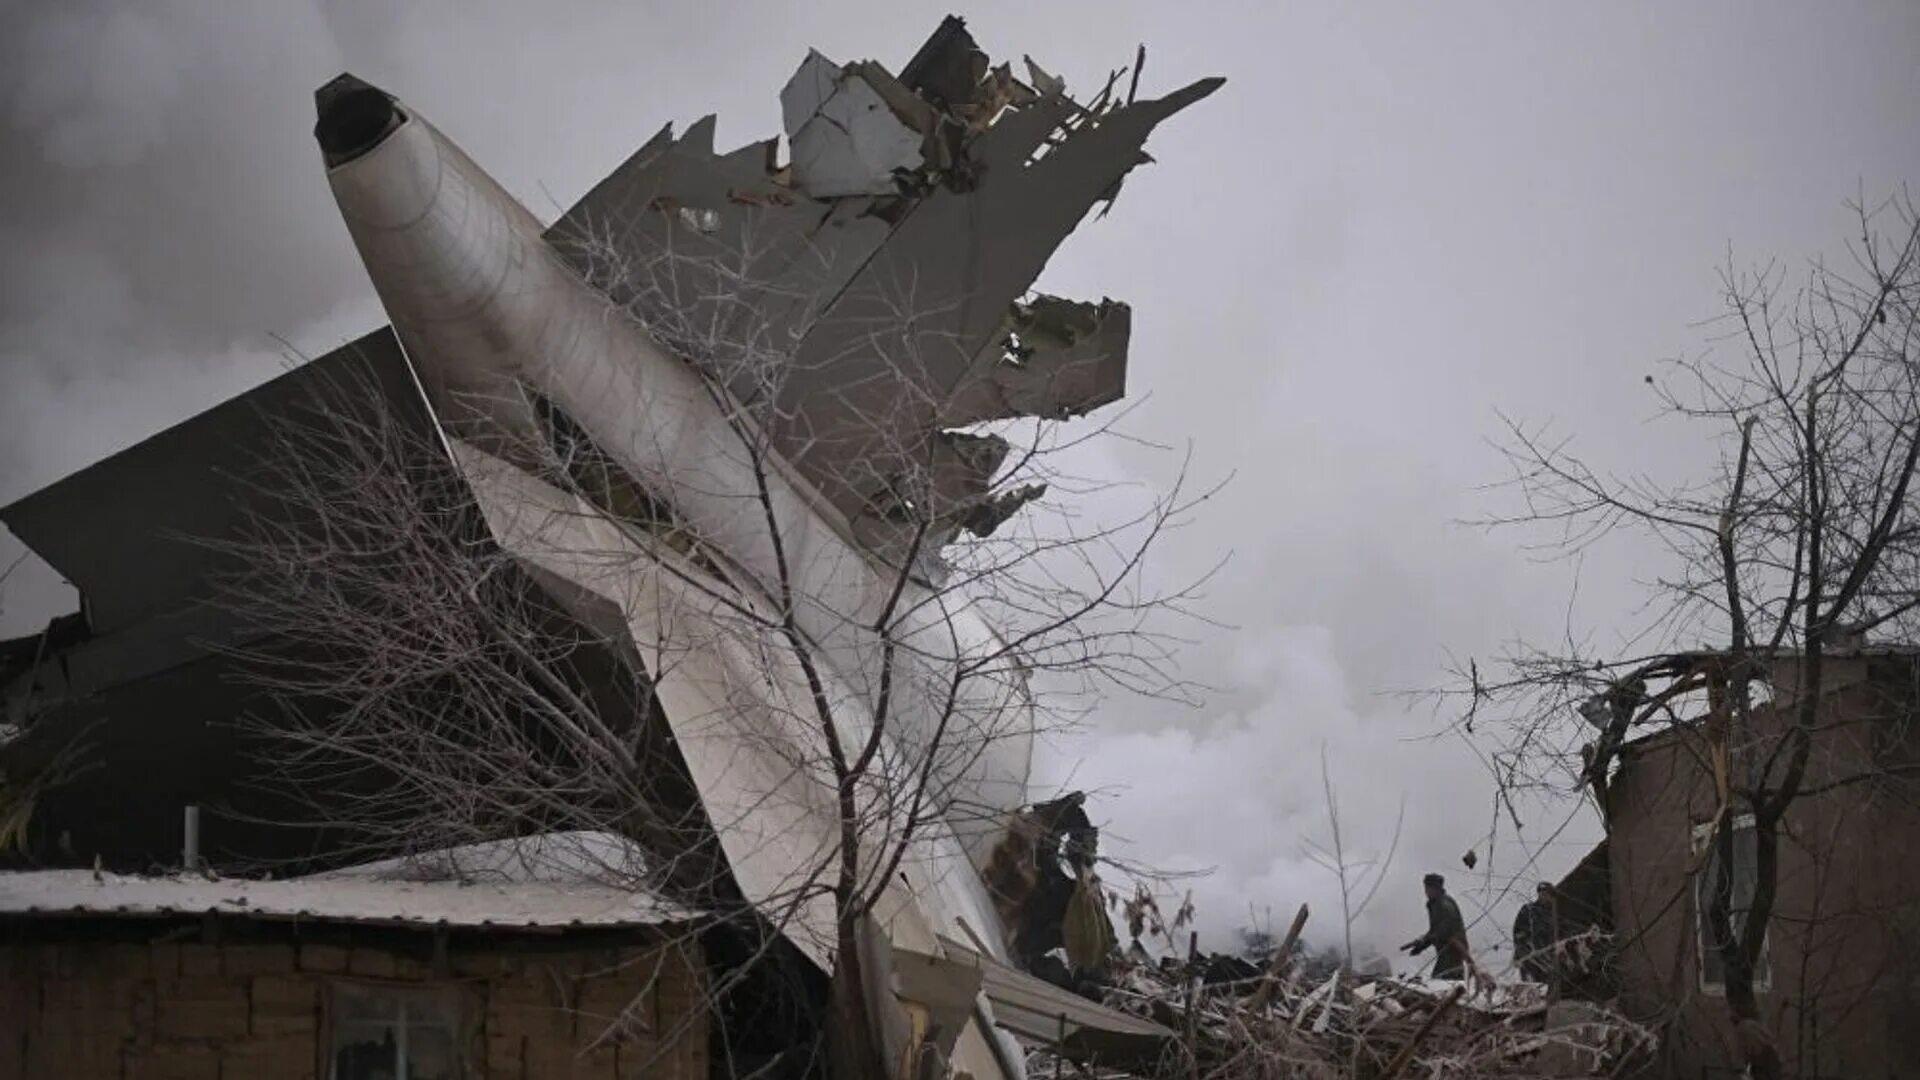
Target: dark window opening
1745	880
385	1033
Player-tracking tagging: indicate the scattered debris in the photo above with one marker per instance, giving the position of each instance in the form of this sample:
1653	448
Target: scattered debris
1285	1021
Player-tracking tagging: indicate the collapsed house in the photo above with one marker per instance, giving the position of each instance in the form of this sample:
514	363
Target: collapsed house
1838	982
790	422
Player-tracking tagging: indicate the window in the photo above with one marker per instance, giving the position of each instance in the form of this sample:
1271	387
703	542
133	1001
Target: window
1713	976
391	1033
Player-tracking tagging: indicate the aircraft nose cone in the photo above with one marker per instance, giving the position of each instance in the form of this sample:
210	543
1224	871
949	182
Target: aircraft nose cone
354	118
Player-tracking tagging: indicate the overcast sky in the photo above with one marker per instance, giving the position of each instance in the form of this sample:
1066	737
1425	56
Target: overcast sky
1395	223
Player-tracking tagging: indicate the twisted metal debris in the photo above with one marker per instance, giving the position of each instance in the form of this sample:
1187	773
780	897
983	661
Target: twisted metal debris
1286	1023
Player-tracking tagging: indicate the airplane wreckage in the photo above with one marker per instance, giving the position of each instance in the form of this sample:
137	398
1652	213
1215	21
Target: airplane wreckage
880	279
940	192
783	371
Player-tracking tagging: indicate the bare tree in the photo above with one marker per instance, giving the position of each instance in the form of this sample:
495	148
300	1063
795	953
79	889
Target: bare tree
1803	540
1359	879
475	630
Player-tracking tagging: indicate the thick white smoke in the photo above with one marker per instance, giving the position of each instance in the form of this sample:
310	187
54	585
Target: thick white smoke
1241	793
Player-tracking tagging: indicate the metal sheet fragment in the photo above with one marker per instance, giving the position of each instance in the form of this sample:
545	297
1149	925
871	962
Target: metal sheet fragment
850	136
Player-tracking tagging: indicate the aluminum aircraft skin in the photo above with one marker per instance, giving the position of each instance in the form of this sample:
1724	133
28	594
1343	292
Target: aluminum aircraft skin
482	306
489	314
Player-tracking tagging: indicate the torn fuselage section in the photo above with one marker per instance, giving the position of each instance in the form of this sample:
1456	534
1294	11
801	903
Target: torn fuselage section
871	297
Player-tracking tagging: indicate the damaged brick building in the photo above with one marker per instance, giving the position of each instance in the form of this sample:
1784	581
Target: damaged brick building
1838	982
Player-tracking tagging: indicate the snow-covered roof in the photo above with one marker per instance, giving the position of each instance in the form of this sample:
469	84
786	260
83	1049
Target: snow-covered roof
565	880
559	858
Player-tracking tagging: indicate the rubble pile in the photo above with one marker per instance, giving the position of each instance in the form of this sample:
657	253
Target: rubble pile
1233	1020
1274	1011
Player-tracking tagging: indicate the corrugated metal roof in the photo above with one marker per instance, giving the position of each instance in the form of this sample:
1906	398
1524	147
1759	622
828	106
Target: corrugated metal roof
557	882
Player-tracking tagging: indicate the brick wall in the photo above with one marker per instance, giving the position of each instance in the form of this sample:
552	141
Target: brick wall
1837	957
117	1010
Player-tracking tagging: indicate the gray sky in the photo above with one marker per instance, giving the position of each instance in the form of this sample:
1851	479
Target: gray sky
1394	222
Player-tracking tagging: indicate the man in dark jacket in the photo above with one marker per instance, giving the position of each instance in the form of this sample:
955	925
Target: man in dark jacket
1446	932
1534	936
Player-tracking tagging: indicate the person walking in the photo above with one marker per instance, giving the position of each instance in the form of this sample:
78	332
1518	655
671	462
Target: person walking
1446	932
